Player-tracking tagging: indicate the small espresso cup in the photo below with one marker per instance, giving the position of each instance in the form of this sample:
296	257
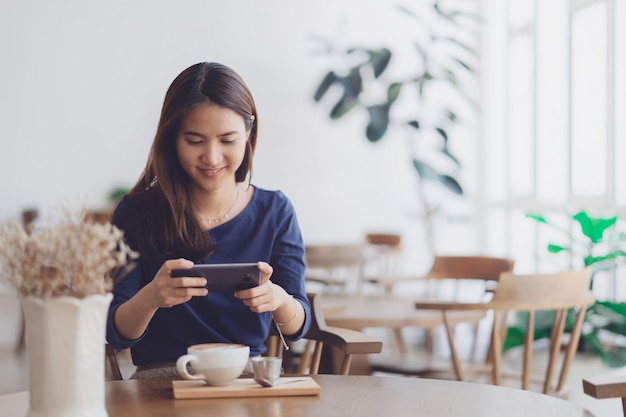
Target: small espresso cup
267	367
215	363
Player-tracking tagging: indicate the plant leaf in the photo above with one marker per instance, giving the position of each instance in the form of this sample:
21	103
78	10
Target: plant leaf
537	217
453	158
424	170
393	92
343	106
589	260
379	60
427	172
463	64
451	184
328	80
353	82
442	133
552	248
378	122
594	227
414	123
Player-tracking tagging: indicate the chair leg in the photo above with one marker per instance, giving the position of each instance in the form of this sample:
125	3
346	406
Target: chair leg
571	350
528	349
456	363
345	365
111	356
496	351
317	357
305	358
398	340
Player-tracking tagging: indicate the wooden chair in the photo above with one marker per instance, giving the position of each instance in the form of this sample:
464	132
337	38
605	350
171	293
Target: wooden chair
479	268
382	258
335	267
454	270
607	387
343	344
531	293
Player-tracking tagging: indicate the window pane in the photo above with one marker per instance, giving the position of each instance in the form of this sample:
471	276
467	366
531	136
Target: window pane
493	101
520	13
552	101
620	102
496	232
589	101
522	240
521	132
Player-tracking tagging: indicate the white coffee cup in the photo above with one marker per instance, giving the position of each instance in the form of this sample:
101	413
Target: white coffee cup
215	363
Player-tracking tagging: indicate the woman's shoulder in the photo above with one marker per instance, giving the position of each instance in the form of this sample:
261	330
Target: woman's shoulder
273	198
267	194
126	212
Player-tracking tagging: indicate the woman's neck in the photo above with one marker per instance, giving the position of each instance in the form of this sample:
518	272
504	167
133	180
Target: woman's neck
217	207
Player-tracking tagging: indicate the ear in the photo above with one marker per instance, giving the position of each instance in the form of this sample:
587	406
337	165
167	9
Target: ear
252	118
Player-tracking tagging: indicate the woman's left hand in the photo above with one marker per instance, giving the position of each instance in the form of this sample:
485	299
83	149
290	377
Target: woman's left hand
265	297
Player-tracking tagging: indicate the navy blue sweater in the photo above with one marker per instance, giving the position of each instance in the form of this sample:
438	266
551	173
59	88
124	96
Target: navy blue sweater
266	230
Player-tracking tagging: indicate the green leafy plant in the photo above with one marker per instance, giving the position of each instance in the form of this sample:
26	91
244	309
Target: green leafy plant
595	242
117	193
422	103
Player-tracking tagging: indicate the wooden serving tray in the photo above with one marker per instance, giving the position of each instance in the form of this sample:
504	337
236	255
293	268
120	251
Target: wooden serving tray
246	387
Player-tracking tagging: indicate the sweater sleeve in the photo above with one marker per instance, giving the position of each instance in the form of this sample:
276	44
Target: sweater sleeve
124	217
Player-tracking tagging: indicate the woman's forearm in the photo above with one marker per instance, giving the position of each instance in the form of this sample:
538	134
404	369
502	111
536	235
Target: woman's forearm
132	318
289	317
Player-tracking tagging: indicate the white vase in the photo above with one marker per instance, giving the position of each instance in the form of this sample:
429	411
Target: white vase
65	342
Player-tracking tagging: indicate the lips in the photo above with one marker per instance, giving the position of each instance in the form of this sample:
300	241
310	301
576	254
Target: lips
211	172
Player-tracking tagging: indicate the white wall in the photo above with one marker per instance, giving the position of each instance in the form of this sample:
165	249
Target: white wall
82	83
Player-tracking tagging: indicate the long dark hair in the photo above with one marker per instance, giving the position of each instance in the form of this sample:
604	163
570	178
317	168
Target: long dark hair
163	193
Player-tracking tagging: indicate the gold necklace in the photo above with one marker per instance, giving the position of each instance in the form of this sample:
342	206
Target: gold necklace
225	216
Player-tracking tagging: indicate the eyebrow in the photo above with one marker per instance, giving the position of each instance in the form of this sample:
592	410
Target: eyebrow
192	133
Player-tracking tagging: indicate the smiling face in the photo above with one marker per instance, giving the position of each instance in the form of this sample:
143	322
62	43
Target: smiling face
211	145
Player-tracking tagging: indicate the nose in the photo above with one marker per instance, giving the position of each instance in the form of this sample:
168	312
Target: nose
211	154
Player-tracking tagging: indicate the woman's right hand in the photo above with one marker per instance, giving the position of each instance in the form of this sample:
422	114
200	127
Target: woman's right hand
167	291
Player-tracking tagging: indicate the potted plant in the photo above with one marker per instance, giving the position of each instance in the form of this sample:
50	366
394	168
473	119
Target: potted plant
413	103
595	242
63	273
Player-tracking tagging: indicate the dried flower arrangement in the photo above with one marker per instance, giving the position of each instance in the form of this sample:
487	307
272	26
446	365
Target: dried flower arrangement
74	257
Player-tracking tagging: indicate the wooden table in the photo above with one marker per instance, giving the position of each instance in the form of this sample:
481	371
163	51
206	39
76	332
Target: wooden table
387	311
341	396
358	311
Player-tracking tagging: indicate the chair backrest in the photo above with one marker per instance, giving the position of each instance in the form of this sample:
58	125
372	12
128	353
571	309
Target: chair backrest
558	292
469	267
342	344
391	240
466	276
335	266
383	254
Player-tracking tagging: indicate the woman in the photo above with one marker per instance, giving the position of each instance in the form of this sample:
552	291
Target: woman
194	203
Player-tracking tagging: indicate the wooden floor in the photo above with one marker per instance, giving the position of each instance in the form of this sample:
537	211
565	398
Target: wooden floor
14	367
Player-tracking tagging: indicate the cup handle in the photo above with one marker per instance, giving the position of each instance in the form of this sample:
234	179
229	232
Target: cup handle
181	367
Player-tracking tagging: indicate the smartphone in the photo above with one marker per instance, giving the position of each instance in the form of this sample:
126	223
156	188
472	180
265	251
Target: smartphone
224	277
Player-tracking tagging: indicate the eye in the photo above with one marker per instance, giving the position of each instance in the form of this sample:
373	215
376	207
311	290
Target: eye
229	141
195	141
